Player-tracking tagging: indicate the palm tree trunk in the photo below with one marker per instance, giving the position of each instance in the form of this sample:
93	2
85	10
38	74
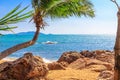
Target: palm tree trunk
15	48
117	51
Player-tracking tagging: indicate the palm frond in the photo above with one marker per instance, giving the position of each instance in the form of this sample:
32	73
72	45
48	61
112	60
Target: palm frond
71	8
11	12
61	9
7	28
19	18
14	16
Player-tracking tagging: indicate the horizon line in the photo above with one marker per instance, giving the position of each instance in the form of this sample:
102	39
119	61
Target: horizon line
64	33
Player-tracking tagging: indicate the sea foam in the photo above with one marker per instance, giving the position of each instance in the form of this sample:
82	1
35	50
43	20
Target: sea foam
48	61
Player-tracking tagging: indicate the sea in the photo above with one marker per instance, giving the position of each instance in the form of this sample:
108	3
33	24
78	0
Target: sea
51	46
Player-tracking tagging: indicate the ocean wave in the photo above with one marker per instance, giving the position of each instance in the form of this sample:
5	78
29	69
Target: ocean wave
48	61
10	59
13	58
50	42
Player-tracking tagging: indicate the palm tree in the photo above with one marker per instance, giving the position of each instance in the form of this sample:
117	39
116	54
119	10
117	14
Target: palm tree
117	46
52	9
13	17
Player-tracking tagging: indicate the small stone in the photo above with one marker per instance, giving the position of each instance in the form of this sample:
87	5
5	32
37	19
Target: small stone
106	75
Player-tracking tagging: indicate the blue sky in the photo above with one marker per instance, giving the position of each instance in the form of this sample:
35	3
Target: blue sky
105	21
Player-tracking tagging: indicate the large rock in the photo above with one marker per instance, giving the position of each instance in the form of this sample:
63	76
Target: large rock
27	67
56	66
106	75
88	54
69	57
104	65
105	56
88	62
102	55
78	64
97	68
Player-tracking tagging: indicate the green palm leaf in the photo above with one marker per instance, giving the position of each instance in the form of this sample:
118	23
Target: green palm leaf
13	17
7	28
11	12
61	9
71	8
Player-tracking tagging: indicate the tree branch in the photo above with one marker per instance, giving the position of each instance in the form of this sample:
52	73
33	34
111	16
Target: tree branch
114	1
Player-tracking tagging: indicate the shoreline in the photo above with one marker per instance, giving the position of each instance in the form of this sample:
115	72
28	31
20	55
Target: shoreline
14	58
84	65
51	60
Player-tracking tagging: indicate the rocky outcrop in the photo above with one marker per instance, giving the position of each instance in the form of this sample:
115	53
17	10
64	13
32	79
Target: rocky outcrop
97	68
102	55
106	75
30	67
90	62
78	64
56	66
86	62
105	56
69	57
27	67
87	58
87	53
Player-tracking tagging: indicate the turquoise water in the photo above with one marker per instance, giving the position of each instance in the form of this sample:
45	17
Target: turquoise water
64	43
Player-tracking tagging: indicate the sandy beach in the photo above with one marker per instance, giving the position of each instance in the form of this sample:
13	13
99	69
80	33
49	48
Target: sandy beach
89	65
69	73
72	74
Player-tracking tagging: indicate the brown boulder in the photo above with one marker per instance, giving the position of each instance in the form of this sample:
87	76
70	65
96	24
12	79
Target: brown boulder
108	66
97	68
4	65
56	66
83	62
78	64
27	67
88	62
99	52
106	57
88	54
69	57
106	75
102	55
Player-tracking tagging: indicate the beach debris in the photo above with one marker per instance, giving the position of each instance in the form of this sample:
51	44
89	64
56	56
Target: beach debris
28	67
